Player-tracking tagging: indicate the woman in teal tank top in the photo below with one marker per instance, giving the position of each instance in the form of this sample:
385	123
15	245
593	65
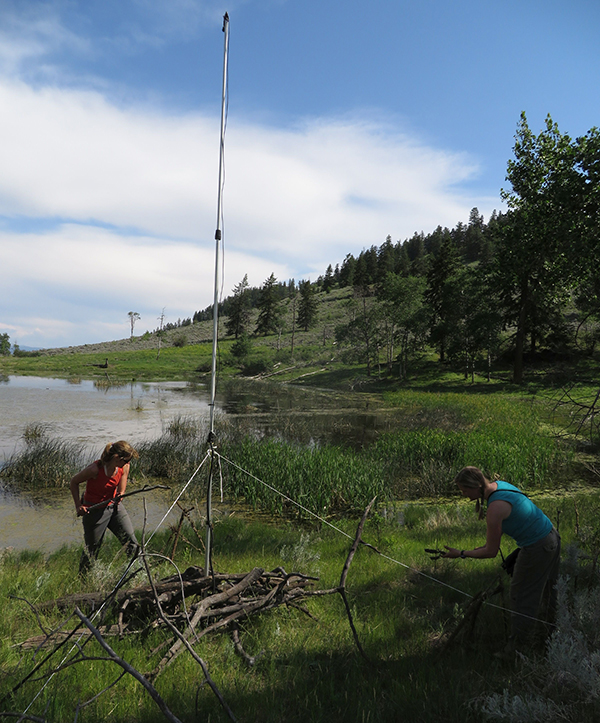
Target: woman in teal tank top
511	512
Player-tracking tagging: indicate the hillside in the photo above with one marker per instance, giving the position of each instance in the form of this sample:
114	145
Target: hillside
331	312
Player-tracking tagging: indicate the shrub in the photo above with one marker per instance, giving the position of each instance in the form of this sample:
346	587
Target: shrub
241	347
252	367
45	461
180	341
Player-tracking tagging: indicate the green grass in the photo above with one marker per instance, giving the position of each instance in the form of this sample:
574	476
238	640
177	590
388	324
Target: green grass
308	667
45	462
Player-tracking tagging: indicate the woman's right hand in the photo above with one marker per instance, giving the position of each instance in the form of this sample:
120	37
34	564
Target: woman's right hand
81	510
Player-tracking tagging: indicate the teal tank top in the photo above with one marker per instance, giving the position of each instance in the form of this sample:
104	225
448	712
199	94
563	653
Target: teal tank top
526	524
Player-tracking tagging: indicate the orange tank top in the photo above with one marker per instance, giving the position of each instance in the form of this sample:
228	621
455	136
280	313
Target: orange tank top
103	487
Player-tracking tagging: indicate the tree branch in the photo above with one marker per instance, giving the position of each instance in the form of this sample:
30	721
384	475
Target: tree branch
129	669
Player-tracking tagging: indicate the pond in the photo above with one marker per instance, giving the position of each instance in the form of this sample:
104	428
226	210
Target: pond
94	413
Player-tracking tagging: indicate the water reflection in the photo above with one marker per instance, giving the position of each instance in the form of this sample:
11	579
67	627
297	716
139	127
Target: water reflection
47	522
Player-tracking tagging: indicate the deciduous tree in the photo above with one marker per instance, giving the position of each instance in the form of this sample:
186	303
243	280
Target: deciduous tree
539	252
4	344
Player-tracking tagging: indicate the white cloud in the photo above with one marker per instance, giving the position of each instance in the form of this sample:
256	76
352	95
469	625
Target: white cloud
295	201
31	31
95	276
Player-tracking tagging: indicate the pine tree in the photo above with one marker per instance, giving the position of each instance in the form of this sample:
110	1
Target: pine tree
307	307
269	309
328	280
441	293
239	310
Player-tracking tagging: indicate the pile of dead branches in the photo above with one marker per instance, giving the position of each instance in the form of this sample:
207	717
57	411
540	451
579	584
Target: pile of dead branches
189	606
195	603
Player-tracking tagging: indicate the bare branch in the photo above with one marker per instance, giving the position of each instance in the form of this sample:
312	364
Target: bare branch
249	659
181	637
342	587
129	669
35	612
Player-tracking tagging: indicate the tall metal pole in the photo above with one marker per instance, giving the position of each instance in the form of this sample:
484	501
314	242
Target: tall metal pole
213	390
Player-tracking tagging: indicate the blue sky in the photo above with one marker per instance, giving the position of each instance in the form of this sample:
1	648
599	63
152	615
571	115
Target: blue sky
348	121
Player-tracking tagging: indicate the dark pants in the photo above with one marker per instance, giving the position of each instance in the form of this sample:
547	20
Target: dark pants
95	523
534	579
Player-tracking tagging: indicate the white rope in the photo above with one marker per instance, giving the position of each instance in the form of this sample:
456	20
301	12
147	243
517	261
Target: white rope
187	484
381	554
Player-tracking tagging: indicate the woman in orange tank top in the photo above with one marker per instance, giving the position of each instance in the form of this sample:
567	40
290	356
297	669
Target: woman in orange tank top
106	480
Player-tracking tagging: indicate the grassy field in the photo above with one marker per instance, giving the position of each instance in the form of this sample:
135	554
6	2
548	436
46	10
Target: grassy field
308	668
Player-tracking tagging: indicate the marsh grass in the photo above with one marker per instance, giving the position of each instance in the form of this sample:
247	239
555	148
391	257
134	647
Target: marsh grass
435	437
505	438
176	453
45	462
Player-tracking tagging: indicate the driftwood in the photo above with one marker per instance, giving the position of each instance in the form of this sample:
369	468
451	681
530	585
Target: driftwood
191	600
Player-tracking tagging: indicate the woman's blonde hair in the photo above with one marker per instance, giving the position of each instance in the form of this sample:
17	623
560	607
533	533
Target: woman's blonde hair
473	478
120	449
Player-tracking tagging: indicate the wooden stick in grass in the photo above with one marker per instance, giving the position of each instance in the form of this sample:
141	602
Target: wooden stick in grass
345	570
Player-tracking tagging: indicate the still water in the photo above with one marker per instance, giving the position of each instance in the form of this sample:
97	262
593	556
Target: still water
94	414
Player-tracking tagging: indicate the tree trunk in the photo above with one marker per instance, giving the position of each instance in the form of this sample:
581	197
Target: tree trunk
520	339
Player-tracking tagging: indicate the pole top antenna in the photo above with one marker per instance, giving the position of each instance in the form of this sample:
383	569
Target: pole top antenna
225	21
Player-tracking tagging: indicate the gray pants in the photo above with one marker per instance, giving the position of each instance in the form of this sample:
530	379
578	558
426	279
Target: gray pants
95	524
534	578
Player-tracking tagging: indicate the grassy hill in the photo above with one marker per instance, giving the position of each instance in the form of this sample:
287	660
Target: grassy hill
308	357
186	351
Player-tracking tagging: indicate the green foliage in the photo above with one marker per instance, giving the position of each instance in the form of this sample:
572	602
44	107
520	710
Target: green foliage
542	249
242	347
45	461
238	310
441	293
362	334
252	366
308	305
4	344
405	319
176	453
269	309
17	351
323	480
180	341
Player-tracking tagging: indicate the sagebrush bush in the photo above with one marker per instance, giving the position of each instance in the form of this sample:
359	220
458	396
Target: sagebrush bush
563	683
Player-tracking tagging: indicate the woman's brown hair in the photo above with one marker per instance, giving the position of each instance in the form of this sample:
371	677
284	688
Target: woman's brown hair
473	478
120	449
